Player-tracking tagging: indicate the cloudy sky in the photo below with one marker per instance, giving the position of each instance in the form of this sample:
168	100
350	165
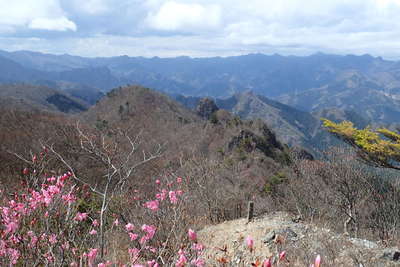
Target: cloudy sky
201	27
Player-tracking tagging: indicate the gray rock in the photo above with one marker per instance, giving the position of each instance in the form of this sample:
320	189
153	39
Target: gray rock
206	108
286	233
363	243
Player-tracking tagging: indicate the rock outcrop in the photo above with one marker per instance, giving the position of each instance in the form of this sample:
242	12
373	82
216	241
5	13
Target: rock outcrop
279	231
206	108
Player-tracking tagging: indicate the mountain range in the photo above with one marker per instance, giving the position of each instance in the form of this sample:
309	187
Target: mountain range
289	93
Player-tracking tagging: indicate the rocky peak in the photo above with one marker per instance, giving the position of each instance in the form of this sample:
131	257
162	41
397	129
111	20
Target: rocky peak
206	108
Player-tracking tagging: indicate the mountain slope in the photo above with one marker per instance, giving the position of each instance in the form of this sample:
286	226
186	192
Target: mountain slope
165	120
29	97
353	92
292	126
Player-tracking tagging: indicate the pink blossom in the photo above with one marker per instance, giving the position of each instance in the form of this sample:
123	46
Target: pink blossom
80	216
250	242
116	222
34	240
192	235
172	197
153	205
134	253
158	181
198	246
198	262
181	261
267	263
69	198
53	190
53	239
93	232
95	223
151	249
129	227
152	263
161	196
51	179
92	255
102	264
179	180
65	246
282	255
11	227
317	261
150	231
14	255
133	236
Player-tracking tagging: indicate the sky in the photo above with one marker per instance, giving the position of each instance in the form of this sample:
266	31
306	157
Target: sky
201	28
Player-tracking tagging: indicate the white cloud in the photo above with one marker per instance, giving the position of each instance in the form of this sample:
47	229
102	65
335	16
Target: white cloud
206	27
57	24
34	14
91	7
174	16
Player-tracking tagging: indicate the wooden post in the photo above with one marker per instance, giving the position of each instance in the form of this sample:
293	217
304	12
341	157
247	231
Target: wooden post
250	211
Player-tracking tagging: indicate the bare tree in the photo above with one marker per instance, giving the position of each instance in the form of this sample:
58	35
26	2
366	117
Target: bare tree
118	154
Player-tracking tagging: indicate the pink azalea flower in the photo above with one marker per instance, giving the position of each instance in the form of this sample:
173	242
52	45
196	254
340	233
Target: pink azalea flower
198	262
192	235
152	263
181	261
95	223
250	242
317	261
150	231
129	227
81	216
172	197
93	232
133	236
179	180
102	264
282	255
267	263
134	253
92	255
153	205
51	179
53	239
11	227
198	246
69	198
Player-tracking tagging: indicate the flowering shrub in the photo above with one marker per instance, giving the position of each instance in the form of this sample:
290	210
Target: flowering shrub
48	227
43	227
